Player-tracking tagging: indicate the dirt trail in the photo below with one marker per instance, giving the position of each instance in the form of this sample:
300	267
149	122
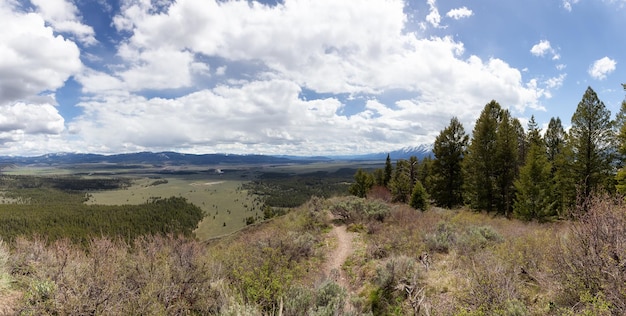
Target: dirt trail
338	256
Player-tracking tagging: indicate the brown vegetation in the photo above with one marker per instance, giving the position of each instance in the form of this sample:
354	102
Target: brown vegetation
478	265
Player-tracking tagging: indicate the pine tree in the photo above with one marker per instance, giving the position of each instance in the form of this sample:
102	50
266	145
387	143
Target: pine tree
534	198
419	197
400	183
413	171
447	177
506	159
592	143
554	139
388	171
479	166
620	126
363	182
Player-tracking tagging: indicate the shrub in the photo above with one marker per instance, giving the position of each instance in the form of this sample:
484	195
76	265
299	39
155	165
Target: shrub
442	239
354	209
593	258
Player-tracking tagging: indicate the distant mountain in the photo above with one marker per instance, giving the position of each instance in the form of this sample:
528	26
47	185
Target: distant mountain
420	151
174	158
162	158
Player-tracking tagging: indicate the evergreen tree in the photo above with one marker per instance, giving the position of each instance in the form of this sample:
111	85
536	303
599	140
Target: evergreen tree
400	183
379	177
522	143
506	162
620	126
534	134
424	173
447	177
560	156
388	171
419	197
413	171
479	164
363	182
534	199
592	143
554	139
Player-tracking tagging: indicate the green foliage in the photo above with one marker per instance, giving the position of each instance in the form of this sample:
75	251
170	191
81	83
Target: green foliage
80	222
388	171
354	210
286	190
392	277
419	197
506	163
592	140
363	182
479	165
560	157
400	184
534	198
447	178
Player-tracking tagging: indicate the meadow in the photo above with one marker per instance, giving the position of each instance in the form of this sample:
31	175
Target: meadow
231	196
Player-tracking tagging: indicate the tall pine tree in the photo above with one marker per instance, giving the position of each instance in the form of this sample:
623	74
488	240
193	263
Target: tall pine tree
447	177
592	141
479	165
534	198
506	162
620	126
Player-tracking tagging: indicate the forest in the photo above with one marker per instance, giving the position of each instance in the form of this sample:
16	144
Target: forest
528	174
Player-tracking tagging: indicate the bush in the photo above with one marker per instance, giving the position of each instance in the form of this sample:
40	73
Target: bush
157	275
593	258
442	239
354	210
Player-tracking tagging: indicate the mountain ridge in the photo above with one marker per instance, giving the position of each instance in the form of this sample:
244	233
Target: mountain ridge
176	158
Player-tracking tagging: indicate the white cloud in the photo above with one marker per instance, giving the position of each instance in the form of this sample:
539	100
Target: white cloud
63	16
459	13
540	49
263	63
330	46
32	58
601	68
433	17
567	4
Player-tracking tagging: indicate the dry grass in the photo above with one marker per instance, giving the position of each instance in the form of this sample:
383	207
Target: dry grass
478	265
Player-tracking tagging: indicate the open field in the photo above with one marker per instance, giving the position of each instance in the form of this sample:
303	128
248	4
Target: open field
225	204
222	192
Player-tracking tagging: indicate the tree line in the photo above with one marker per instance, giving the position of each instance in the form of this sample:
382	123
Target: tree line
506	169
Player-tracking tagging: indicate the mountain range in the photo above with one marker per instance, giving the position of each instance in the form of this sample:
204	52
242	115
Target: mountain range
174	158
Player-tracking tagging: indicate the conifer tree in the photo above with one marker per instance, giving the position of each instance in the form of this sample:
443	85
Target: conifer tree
419	197
479	164
506	162
592	143
447	177
363	182
400	183
554	139
388	171
620	126
413	170
534	198
560	157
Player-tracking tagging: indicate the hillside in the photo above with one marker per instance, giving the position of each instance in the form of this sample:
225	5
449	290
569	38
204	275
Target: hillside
398	261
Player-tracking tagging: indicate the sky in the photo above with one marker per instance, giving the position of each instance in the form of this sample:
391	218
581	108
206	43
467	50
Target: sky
293	77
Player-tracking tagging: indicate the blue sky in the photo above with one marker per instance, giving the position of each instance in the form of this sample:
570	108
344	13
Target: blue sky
298	77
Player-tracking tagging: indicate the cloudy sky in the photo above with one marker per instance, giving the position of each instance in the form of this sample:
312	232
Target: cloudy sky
298	77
